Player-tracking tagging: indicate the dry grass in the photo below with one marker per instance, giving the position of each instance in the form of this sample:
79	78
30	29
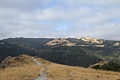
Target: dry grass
22	60
43	61
62	72
56	72
20	68
20	73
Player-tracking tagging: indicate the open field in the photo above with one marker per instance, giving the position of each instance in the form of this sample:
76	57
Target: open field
62	72
20	73
56	72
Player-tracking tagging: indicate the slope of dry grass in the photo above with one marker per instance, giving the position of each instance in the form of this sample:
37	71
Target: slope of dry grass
20	73
55	72
62	72
22	60
20	68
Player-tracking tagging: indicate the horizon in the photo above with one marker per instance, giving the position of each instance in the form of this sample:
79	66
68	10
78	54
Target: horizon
56	37
62	18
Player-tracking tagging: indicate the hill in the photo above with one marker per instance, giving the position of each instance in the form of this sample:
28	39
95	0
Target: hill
68	51
19	68
62	72
16	46
18	61
28	70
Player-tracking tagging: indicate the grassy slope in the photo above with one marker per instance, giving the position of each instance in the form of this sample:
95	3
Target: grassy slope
20	73
56	72
62	72
24	69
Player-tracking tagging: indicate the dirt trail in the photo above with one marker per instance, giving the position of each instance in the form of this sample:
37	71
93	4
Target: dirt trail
43	73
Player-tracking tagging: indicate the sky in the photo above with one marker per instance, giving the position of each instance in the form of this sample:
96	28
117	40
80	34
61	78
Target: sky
60	18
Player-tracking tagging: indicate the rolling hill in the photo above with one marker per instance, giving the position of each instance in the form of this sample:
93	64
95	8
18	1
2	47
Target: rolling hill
25	68
21	67
68	51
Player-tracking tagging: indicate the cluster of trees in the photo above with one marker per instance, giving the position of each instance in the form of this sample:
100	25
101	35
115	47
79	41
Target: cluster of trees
16	46
111	66
74	56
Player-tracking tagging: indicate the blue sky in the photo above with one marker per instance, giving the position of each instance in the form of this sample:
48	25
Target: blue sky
60	18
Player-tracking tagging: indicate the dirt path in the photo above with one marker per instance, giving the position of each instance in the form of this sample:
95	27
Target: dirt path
43	73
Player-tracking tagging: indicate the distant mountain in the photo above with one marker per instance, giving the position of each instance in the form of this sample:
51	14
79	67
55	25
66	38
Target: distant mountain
17	46
69	51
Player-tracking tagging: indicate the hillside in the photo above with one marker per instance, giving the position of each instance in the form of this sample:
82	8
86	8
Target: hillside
25	68
16	46
19	68
68	51
62	72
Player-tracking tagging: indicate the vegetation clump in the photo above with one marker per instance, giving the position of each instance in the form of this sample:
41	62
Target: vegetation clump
110	66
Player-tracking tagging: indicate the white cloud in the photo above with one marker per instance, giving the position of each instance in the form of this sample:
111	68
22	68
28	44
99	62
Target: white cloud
104	31
87	18
92	2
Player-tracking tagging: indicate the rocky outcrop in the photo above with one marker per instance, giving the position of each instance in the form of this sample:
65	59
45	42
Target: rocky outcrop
5	62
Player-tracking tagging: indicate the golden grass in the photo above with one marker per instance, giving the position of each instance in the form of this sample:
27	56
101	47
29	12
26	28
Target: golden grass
22	60
20	68
56	72
62	72
20	73
43	61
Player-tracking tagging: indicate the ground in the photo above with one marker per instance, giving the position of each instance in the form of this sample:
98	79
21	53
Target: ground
62	72
20	68
55	72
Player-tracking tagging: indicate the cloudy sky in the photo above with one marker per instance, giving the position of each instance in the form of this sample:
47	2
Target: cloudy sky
60	18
